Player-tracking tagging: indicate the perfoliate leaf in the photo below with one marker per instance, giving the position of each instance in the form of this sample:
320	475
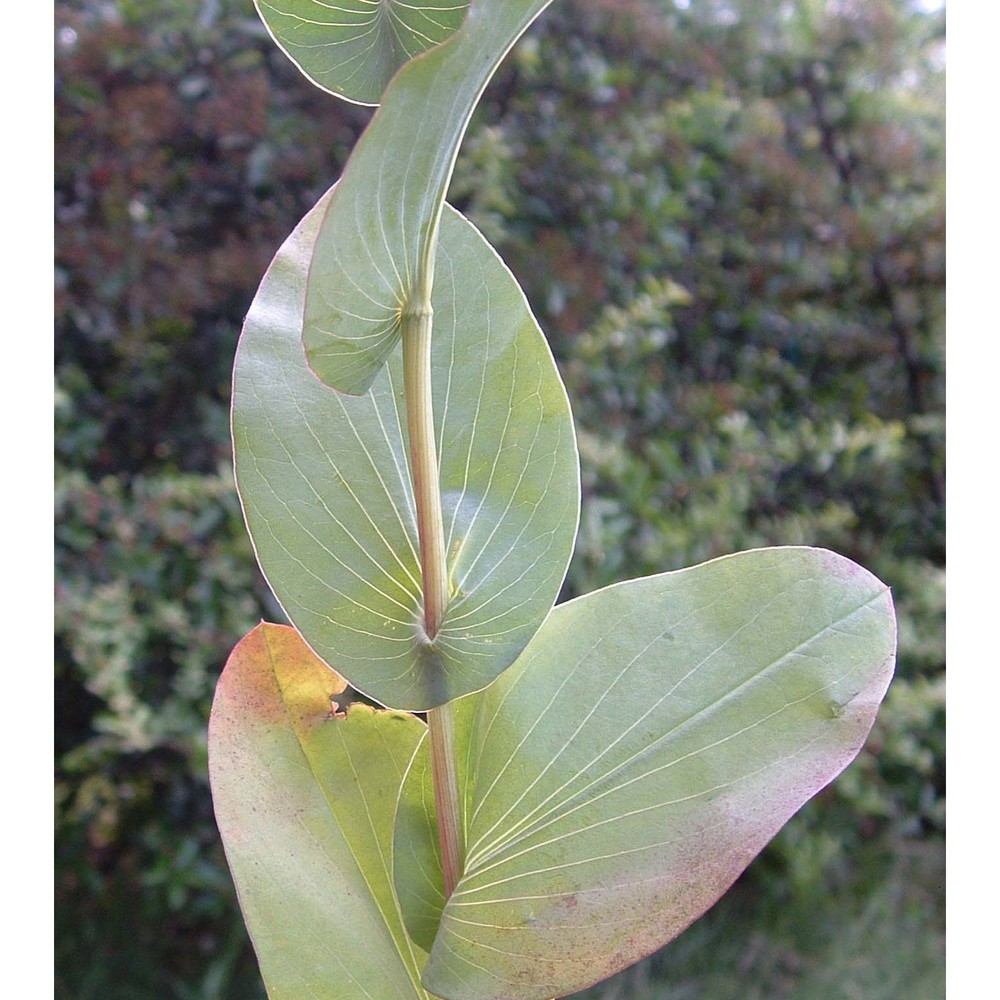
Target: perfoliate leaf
352	48
306	801
645	747
326	490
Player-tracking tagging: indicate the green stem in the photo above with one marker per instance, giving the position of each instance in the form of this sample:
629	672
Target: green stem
424	464
417	324
441	723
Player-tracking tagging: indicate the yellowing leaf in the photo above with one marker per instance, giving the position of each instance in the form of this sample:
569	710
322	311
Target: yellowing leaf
305	802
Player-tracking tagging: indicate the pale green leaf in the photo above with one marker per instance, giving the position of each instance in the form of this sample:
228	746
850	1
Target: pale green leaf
352	48
326	491
418	874
374	257
306	800
645	747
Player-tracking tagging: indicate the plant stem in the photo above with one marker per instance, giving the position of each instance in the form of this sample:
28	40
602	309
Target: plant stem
440	722
424	464
434	571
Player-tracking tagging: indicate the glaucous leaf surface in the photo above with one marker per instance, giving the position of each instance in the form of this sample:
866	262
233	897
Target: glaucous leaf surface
645	747
352	48
375	253
326	488
305	800
418	873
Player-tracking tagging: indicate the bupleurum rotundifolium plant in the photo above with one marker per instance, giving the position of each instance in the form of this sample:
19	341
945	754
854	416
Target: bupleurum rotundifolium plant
582	781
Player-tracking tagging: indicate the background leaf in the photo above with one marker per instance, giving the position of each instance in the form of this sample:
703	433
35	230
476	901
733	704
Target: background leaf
375	252
353	47
647	745
326	488
306	805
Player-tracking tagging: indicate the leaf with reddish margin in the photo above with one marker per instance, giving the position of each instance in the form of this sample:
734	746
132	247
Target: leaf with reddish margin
647	744
306	803
615	781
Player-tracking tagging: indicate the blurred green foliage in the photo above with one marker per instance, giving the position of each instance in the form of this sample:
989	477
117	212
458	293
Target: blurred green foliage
728	215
